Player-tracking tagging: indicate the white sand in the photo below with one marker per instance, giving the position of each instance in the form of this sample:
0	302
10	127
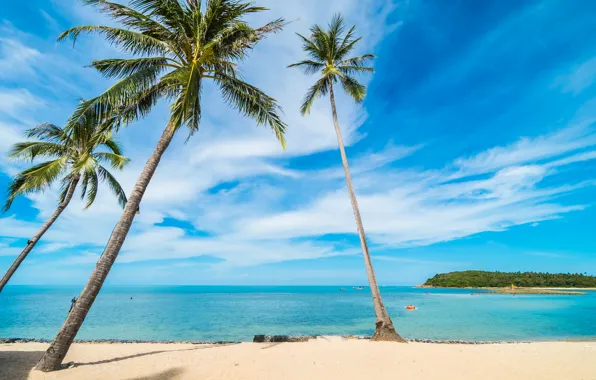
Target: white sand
323	358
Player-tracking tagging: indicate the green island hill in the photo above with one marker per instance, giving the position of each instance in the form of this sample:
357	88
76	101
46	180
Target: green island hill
514	282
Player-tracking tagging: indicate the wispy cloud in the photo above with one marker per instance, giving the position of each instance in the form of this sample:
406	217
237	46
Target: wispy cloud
16	58
580	77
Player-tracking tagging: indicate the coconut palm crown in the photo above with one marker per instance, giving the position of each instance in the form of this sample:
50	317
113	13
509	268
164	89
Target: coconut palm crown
176	46
328	51
79	154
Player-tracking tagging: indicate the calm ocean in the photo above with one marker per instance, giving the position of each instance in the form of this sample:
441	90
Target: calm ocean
203	313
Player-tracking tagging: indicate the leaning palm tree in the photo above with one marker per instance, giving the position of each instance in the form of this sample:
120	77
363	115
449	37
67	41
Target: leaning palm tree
177	46
75	157
328	52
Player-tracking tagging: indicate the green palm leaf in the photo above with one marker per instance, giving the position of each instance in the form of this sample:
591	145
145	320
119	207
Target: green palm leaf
178	47
327	50
74	153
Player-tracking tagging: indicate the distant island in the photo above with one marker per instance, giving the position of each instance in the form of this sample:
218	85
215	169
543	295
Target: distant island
513	282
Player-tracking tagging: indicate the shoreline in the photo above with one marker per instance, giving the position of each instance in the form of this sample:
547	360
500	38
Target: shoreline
517	290
296	339
326	357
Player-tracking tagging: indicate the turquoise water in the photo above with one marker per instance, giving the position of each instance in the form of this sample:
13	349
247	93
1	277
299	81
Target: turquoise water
202	313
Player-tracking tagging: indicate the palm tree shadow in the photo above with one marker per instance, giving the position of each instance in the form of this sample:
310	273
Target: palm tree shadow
165	375
271	345
121	358
16	365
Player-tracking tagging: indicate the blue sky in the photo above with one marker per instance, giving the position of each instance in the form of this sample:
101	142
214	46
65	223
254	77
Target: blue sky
475	149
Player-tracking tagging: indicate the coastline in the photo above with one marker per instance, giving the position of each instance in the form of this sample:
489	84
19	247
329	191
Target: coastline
517	290
327	357
294	339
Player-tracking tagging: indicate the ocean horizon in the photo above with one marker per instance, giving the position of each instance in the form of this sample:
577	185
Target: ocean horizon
237	313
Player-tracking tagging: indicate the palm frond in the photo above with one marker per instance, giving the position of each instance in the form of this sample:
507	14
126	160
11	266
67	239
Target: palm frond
116	161
252	102
30	150
309	67
360	61
132	42
356	90
66	184
47	132
118	68
91	184
320	88
351	70
336	28
134	19
315	53
113	184
187	109
116	96
35	179
347	44
113	146
140	104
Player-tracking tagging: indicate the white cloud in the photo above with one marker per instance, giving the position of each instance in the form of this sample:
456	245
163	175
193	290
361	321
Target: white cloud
272	212
579	136
6	249
432	207
15	58
17	103
580	78
10	135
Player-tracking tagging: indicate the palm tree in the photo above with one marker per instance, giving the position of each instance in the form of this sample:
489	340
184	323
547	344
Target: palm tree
176	47
328	52
78	155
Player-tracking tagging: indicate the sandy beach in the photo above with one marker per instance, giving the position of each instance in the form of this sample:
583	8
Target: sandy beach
322	358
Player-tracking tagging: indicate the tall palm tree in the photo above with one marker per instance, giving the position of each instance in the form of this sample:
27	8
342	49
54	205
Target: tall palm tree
75	156
176	46
328	51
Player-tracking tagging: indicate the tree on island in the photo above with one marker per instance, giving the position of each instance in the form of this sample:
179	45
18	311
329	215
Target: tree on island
328	52
76	157
482	279
177	47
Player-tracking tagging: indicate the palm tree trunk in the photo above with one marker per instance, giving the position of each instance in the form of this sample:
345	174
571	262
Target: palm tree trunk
33	241
53	357
384	330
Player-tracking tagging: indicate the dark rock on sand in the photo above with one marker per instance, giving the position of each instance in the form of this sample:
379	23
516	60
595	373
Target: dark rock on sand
280	338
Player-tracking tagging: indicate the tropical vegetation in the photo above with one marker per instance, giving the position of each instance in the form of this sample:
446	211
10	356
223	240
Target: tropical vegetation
174	48
78	157
329	57
481	279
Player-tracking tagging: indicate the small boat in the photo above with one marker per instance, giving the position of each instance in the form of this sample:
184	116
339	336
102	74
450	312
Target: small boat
410	307
342	290
358	287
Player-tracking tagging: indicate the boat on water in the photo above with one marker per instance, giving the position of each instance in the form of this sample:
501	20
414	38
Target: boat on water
342	290
358	287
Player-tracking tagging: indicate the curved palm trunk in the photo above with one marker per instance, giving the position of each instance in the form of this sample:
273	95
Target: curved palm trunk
55	354
384	330
33	241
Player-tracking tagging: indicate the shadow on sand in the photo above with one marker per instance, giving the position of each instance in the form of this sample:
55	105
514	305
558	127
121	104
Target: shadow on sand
169	374
141	354
15	365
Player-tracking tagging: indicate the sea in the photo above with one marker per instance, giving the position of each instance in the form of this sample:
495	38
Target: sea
237	313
